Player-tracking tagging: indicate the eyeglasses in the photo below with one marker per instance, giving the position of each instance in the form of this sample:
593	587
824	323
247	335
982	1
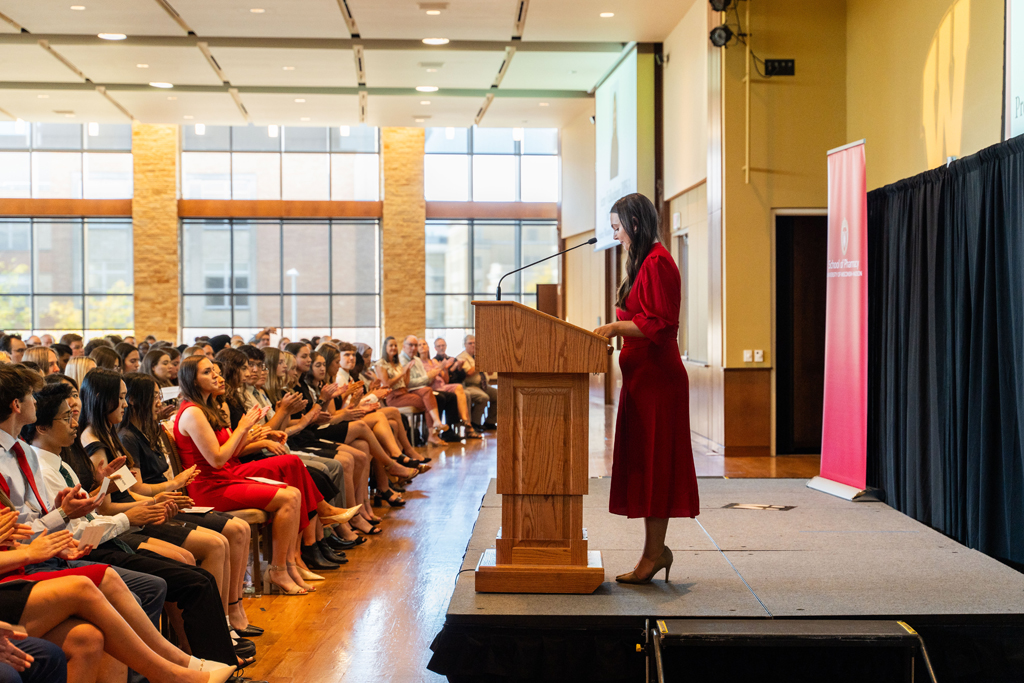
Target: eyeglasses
66	418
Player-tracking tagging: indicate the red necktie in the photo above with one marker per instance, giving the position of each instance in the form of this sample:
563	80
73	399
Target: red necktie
19	453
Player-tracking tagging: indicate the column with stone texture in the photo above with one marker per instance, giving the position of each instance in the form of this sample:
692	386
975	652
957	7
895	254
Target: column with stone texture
155	230
405	214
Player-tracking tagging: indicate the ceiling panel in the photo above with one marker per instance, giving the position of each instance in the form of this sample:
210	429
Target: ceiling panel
33	63
523	112
279	19
321	110
557	70
158	107
266	66
461	20
116	63
142	18
409	68
399	110
87	105
569	20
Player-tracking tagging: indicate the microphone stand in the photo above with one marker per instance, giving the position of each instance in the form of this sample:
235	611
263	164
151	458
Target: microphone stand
592	240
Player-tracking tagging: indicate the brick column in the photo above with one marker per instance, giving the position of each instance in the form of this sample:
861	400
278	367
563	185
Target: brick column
155	221
405	214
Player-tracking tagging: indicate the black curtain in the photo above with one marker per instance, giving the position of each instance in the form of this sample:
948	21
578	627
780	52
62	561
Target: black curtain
946	348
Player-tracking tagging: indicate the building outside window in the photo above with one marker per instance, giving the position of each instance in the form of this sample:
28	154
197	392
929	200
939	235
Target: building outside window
491	164
291	163
65	160
305	277
66	275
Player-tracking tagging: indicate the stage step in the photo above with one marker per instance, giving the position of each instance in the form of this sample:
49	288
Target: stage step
785	633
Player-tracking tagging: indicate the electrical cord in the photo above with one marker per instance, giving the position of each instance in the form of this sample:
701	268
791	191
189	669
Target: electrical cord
741	37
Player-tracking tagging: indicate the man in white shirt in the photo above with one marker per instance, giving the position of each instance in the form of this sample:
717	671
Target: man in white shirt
478	389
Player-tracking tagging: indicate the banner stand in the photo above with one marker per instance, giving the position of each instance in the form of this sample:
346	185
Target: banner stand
835	488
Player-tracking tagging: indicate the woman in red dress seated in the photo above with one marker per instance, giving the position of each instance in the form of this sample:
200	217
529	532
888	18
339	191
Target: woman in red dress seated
204	439
652	467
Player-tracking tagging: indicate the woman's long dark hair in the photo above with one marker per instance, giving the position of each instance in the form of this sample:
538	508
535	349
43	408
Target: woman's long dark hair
384	353
124	349
188	380
106	358
139	413
233	363
639	219
100	394
151	360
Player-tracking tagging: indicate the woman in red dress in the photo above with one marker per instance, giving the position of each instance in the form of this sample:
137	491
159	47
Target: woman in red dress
652	467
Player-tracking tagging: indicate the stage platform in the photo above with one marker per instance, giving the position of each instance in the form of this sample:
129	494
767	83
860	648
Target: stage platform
810	556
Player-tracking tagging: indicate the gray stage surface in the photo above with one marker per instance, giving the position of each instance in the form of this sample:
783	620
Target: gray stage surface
824	557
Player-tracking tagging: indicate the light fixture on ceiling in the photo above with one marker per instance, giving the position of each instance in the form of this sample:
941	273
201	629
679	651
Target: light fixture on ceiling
161	84
171	97
78	8
299	100
142	66
433	12
188	117
94	129
431	71
257	10
424	102
419	120
607	15
43	97
288	68
69	115
111	36
435	41
272	131
200	129
304	118
517	134
344	131
426	88
449	133
721	35
542	104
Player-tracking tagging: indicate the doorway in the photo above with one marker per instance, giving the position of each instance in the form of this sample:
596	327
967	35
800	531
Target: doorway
801	248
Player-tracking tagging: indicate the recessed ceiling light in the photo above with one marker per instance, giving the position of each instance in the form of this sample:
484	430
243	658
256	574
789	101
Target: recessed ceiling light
142	66
431	71
78	8
172	97
607	15
43	97
426	88
304	118
187	116
161	84
433	12
257	10
111	36
435	41
69	116
424	102
299	100
543	104
419	120
288	68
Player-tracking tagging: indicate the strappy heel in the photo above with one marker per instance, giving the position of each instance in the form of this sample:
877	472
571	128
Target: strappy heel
392	499
299	590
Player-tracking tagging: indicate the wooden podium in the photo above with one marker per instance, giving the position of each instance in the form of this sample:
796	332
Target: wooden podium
543	365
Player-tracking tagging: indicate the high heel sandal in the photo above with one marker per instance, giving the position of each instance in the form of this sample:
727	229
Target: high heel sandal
299	590
308	575
664	561
308	589
392	499
343	517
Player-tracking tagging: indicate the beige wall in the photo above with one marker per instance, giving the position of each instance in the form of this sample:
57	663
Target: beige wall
578	180
403	264
685	102
584	283
155	231
890	48
692	211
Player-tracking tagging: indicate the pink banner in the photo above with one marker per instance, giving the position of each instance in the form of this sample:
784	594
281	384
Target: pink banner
845	427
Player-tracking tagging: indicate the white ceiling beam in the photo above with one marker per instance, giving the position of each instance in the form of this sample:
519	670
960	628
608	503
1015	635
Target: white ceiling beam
360	59
62	59
503	69
103	91
363	104
483	108
238	103
350	21
520	23
173	14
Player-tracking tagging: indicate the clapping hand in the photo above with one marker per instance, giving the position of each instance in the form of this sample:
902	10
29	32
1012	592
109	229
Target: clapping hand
10	530
252	417
329	392
46	545
109	468
10	653
184	478
76	503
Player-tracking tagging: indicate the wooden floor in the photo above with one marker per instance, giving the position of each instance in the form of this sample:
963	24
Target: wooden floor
374	619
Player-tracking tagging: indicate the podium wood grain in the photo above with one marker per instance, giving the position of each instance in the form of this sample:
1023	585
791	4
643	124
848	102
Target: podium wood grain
543	413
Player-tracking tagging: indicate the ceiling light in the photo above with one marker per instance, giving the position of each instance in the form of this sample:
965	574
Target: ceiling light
78	8
111	36
299	100
272	131
449	133
720	5
94	129
69	116
419	120
200	129
161	84
142	66
431	71
433	12
721	35
288	68
607	15
426	88
304	118
42	97
344	131
188	116
172	97
543	104
517	134
435	41
257	10
424	102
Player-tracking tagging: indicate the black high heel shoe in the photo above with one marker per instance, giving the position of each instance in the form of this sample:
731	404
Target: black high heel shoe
391	498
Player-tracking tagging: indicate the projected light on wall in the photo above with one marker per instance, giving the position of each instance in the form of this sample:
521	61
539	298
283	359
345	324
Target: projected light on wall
943	84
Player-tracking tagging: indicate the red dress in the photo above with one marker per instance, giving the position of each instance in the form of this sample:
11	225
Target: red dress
228	489
652	466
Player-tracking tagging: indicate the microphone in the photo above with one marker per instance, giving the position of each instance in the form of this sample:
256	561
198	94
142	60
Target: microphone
592	240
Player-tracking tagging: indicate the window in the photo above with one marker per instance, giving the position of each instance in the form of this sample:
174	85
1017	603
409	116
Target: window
66	275
491	165
65	160
268	162
466	259
306	277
